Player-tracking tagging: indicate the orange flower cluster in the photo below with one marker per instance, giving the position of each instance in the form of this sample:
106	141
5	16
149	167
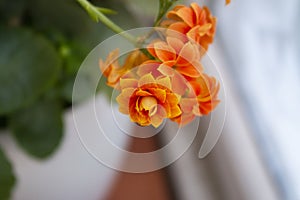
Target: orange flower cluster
170	83
194	22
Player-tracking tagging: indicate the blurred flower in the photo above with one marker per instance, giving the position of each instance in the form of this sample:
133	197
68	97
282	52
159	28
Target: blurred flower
112	70
228	2
195	22
189	108
206	89
148	101
201	99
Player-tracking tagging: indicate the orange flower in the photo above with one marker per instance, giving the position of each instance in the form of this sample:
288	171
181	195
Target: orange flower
206	89
148	101
195	22
112	70
183	57
178	81
189	108
228	2
201	100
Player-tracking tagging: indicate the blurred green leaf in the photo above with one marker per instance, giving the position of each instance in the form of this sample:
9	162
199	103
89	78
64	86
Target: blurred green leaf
7	178
39	128
3	122
63	15
29	65
12	10
73	55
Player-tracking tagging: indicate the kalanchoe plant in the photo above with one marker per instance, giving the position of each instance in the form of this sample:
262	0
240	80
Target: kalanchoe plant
40	54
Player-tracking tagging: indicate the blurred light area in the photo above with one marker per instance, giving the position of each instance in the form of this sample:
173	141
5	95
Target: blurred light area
71	173
261	44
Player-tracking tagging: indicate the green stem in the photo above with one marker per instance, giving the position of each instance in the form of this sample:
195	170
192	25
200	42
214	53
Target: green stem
164	6
98	16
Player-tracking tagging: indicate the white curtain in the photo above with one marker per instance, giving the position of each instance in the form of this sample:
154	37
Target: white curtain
262	44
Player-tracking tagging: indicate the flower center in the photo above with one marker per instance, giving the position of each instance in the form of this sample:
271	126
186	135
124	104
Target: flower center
149	104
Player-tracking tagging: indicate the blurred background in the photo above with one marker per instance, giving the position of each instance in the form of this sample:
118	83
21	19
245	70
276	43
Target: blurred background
42	45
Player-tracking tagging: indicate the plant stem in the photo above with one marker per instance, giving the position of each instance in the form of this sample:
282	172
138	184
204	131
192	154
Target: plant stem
164	6
99	16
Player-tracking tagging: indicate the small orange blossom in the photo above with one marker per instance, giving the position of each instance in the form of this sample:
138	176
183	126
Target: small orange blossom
148	101
195	22
112	70
201	99
174	53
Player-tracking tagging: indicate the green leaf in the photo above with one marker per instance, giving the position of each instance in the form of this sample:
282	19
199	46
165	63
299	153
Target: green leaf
38	129
29	65
7	178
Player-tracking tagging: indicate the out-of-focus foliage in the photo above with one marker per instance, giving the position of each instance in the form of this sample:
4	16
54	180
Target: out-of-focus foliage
28	126
7	178
29	66
42	45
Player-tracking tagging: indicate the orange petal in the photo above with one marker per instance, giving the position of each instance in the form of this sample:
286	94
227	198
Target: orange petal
148	67
151	49
188	70
172	14
187	15
134	59
175	43
195	87
180	27
146	79
164	52
161	111
187	54
148	102
128	83
170	63
104	68
197	65
166	23
165	81
160	94
186	118
175	111
179	84
156	120
123	100
172	99
196	111
187	104
204	13
197	11
166	70
111	63
143	93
